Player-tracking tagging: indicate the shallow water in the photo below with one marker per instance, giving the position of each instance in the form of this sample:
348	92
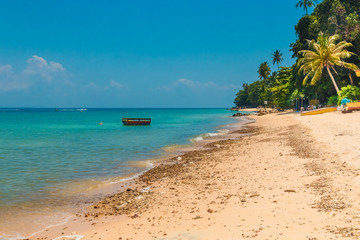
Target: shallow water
53	158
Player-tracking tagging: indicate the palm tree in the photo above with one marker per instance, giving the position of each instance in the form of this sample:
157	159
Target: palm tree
305	4
324	54
277	58
264	70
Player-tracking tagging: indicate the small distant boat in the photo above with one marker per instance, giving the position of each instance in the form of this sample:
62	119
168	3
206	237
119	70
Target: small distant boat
70	109
136	121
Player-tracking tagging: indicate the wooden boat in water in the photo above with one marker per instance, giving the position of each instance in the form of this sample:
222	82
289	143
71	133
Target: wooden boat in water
136	121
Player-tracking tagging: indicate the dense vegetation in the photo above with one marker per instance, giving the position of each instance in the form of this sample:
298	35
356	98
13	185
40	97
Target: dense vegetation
327	52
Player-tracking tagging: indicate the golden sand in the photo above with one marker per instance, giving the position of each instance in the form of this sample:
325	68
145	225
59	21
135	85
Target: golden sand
287	177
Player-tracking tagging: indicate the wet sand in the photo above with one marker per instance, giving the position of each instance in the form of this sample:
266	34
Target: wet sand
279	178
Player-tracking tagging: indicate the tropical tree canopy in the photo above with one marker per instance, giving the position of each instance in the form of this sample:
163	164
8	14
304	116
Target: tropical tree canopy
264	71
277	58
281	87
305	4
324	53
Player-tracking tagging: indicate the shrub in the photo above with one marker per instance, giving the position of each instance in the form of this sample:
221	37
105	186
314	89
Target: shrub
350	92
333	100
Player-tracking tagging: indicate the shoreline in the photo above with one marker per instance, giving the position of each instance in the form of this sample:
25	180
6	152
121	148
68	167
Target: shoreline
121	183
236	130
278	183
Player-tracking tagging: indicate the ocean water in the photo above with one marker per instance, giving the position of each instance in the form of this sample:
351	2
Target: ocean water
48	157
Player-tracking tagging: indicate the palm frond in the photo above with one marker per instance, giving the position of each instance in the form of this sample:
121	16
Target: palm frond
333	38
350	66
341	45
333	68
325	52
299	4
305	68
307	76
317	76
343	54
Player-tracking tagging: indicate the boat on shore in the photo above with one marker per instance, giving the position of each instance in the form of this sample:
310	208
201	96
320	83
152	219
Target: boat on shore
319	111
136	121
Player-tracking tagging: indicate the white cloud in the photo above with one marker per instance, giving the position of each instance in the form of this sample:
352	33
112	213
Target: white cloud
194	85
12	85
184	81
91	85
6	69
36	66
9	81
115	84
110	85
56	67
39	66
230	86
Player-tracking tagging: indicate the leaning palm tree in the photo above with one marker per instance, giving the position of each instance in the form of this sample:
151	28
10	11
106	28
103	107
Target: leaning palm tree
277	58
325	53
305	4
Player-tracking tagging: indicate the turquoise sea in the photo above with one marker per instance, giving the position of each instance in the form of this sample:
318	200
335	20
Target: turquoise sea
49	158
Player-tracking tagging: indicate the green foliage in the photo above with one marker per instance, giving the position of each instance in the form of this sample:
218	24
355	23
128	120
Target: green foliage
350	92
296	94
264	70
332	17
324	53
305	4
333	100
252	95
307	28
329	18
242	97
281	88
277	57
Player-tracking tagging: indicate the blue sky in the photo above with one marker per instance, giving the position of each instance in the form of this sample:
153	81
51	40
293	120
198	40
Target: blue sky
159	53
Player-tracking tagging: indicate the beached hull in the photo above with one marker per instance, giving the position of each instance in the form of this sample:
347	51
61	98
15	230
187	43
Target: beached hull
353	106
319	111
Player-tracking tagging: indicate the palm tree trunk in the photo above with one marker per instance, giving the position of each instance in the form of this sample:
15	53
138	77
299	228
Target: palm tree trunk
333	80
351	80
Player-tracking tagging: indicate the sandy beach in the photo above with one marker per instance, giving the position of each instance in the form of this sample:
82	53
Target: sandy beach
285	176
180	120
